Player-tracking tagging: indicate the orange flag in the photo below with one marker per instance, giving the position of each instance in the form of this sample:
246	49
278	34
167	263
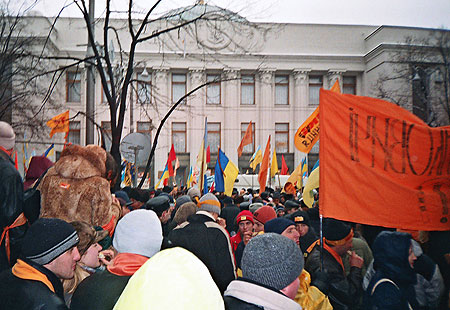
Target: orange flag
382	165
264	168
59	123
246	140
308	133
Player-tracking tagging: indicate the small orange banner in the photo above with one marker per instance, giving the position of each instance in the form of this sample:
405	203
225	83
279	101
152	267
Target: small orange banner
308	133
59	123
381	165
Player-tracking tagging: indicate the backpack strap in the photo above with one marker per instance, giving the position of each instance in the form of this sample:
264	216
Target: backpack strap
386	280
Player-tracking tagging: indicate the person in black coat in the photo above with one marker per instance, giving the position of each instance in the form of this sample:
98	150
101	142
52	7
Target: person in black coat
207	240
307	234
229	213
49	254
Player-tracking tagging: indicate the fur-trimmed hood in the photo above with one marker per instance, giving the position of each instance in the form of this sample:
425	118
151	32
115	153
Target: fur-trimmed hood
78	162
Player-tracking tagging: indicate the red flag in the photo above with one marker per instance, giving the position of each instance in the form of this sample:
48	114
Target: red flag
246	140
284	167
264	168
208	155
172	157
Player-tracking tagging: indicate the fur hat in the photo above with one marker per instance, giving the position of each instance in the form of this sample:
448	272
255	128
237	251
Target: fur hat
158	204
138	232
244	216
277	225
7	136
210	203
335	230
300	217
265	214
184	212
48	238
272	260
88	235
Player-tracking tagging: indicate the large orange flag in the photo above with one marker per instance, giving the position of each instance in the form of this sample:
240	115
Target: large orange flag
264	168
246	140
308	133
59	123
382	165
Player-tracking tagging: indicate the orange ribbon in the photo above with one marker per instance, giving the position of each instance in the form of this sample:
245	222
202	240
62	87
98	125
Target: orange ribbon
24	271
126	264
20	220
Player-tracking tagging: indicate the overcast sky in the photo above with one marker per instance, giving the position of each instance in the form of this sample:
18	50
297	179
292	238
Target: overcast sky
420	13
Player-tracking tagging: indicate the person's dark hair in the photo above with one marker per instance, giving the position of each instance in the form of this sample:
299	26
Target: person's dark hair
239	199
139	194
111	165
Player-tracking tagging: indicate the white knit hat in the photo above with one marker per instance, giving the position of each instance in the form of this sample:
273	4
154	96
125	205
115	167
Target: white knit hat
138	232
7	136
209	202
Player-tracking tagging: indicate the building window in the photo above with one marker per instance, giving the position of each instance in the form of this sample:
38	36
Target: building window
179	137
315	84
213	90
248	89
107	135
178	87
73	87
144	88
349	85
250	148
74	136
282	137
145	128
282	89
214	137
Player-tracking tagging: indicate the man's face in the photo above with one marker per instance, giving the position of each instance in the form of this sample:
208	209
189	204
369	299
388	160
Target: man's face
245	226
258	226
166	215
292	210
411	257
343	249
64	265
291	233
302	229
280	213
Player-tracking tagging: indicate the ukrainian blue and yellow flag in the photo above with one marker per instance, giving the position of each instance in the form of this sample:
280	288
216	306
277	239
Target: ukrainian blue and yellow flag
225	174
164	176
256	158
50	151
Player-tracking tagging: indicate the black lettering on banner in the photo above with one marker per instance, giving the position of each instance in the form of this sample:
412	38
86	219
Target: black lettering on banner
430	157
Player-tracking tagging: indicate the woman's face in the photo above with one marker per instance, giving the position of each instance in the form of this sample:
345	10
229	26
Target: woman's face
90	257
411	257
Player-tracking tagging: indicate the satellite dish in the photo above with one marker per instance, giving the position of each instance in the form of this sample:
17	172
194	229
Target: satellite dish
135	148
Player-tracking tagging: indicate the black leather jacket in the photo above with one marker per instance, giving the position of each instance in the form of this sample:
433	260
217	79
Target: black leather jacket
11	206
21	294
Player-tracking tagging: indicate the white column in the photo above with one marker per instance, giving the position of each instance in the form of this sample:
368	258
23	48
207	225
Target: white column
196	120
301	111
231	101
265	100
333	75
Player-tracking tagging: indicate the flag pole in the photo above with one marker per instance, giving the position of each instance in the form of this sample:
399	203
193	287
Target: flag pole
321	241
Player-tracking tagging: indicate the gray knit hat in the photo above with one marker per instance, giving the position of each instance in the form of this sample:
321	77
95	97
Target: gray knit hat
7	136
193	192
272	260
182	200
255	206
209	202
138	232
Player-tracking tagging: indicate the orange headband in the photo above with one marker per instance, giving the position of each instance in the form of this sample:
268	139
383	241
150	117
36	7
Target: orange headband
342	241
209	202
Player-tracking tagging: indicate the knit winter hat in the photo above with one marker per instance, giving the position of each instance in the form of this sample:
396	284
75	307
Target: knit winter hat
193	192
138	232
277	225
184	212
336	231
255	206
7	136
272	260
209	202
265	214
48	238
244	216
300	217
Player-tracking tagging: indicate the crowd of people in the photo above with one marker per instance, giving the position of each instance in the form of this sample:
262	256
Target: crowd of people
87	245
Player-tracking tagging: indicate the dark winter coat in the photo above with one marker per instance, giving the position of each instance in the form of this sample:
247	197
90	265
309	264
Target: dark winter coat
21	294
11	206
210	243
344	291
308	239
390	252
229	213
99	291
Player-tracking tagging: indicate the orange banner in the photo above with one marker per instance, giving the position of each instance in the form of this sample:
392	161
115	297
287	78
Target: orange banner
382	165
308	133
59	123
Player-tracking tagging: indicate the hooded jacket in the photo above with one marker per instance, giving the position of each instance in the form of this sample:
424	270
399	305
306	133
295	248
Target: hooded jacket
75	188
390	252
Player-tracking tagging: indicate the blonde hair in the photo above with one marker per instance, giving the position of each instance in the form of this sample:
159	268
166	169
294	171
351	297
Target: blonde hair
79	275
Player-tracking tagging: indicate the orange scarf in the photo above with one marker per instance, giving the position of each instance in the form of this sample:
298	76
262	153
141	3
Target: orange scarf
336	256
24	271
126	264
